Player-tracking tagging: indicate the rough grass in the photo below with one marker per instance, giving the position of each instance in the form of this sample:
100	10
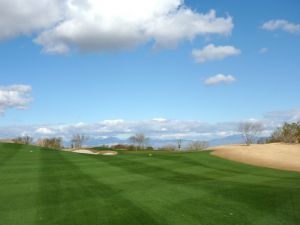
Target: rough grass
39	186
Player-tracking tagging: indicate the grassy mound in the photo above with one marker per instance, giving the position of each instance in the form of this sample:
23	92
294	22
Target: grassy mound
40	186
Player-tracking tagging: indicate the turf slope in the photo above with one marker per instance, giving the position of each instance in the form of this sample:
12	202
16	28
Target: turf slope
39	186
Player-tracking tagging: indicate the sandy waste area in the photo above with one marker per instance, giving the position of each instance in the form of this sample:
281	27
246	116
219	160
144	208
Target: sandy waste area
278	156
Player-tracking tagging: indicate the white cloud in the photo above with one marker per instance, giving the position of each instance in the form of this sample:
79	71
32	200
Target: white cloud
191	130
284	116
263	50
113	122
159	119
151	128
219	78
212	52
44	130
22	17
101	25
14	96
283	25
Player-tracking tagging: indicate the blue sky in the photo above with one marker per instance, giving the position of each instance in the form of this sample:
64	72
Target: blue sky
141	83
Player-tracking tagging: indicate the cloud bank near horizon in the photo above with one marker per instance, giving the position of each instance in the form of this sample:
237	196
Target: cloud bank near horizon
159	128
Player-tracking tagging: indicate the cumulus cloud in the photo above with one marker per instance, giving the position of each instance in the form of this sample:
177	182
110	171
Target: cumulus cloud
283	25
22	17
101	25
212	52
219	78
14	96
44	130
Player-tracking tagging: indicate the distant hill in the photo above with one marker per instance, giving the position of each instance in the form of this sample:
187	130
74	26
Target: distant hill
106	141
113	141
234	139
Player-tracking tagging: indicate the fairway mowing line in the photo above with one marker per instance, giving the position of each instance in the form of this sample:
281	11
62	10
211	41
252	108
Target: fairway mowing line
99	200
55	187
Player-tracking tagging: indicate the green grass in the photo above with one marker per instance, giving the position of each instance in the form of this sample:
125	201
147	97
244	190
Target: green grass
39	186
103	148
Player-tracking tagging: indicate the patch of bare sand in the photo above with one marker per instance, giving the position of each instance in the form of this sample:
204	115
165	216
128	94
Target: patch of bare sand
278	156
6	141
107	153
95	152
84	151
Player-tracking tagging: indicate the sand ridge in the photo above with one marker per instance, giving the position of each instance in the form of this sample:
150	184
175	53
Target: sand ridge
277	155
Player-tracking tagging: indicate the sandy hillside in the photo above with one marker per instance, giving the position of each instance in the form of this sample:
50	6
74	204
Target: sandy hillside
278	156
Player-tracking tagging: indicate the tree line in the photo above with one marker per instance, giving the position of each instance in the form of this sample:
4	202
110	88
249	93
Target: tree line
140	142
288	133
77	141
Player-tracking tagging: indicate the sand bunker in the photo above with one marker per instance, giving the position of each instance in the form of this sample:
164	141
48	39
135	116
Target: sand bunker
278	156
108	153
84	151
95	152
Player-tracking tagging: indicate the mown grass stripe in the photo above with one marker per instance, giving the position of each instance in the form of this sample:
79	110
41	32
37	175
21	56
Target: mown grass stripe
39	186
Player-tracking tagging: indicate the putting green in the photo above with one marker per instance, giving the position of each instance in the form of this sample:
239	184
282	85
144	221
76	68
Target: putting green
40	186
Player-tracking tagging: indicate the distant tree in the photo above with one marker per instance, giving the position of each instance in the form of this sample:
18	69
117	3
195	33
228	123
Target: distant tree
55	143
262	141
119	147
131	147
179	143
168	148
298	132
288	133
139	140
250	130
197	146
276	136
78	140
149	148
23	140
